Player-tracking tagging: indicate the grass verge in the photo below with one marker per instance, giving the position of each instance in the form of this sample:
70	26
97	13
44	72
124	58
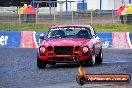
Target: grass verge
44	27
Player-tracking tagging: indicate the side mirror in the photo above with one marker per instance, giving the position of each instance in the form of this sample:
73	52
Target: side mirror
93	36
42	36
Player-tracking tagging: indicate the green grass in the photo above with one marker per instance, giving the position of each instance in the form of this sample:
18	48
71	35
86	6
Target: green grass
113	27
23	27
44	27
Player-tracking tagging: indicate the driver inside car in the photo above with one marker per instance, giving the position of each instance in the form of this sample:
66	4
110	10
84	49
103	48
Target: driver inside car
58	34
83	34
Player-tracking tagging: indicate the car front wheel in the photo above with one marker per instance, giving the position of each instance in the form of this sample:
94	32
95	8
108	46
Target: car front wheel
41	64
91	61
99	58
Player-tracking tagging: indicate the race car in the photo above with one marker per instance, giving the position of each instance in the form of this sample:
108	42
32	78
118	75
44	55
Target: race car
70	44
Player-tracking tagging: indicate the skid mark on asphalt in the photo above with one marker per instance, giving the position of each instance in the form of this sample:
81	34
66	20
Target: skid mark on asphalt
73	85
117	61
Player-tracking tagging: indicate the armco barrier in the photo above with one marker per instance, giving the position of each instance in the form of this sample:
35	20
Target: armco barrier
10	39
106	39
122	40
28	39
130	39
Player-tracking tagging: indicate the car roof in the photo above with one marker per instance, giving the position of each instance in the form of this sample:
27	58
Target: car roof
73	25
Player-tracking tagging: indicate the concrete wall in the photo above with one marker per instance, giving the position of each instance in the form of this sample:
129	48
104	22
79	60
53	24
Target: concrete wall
93	4
62	6
105	5
111	4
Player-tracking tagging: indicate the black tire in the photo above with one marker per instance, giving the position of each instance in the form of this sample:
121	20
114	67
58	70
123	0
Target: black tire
99	58
91	61
41	64
52	63
80	63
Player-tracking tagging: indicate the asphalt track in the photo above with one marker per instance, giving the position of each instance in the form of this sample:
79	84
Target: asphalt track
18	70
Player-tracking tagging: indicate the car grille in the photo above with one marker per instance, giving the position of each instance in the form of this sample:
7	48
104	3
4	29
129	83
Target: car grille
63	50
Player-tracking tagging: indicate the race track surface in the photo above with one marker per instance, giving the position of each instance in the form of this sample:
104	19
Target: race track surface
18	69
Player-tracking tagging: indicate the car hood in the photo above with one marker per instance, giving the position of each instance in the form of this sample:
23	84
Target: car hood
66	41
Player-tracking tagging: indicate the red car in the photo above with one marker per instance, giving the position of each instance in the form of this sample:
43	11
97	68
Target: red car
70	44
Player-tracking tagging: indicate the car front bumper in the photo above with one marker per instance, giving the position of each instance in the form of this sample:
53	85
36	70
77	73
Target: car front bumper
64	58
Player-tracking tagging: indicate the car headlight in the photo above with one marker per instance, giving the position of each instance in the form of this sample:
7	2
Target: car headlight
85	49
42	49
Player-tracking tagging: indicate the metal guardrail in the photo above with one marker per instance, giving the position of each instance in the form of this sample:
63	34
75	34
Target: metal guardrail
26	39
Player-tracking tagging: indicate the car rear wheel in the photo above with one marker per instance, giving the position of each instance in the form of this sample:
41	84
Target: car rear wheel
41	64
91	61
99	58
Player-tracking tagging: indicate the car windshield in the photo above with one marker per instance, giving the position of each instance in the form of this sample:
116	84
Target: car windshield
69	32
